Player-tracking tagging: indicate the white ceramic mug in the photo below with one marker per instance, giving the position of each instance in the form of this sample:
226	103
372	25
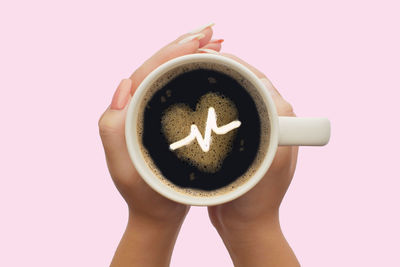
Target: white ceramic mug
283	131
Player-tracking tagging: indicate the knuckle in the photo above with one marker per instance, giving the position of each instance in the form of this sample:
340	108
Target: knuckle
106	126
100	121
286	109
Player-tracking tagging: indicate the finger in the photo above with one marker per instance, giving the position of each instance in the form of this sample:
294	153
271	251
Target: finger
112	133
208	34
284	108
184	45
207	51
213	46
217	41
257	72
270	87
201	28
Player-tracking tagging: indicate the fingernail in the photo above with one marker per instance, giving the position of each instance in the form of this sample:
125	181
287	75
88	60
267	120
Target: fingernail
121	95
205	50
192	37
202	28
219	41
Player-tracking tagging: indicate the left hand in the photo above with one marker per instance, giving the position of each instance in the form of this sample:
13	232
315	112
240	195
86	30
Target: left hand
154	221
141	199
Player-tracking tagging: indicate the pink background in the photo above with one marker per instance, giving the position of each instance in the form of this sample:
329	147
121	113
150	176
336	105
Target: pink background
61	61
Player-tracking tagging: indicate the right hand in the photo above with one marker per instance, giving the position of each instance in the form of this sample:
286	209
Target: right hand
269	192
249	225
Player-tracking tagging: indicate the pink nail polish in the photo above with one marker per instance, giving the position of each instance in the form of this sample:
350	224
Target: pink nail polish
217	41
121	95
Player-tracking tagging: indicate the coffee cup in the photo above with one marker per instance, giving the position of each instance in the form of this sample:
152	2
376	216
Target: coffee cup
202	129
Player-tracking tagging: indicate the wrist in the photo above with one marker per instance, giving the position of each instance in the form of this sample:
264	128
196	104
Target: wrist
154	223
248	231
156	216
224	220
257	243
146	242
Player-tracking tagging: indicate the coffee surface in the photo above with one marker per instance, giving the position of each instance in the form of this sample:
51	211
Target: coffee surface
170	114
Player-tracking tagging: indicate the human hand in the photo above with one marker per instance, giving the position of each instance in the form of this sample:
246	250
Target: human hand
249	225
151	216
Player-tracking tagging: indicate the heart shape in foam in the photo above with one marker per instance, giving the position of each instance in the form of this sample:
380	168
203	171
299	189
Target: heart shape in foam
176	124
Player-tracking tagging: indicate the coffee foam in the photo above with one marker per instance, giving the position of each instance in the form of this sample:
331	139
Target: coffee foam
176	125
264	123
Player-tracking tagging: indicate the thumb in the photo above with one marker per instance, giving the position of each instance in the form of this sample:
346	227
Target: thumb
112	132
284	108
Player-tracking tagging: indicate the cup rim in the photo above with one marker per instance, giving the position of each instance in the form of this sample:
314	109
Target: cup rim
136	153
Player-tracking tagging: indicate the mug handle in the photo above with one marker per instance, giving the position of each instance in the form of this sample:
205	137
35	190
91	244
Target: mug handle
294	131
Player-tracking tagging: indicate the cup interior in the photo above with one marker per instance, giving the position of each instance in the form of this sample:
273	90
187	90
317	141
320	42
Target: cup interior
149	173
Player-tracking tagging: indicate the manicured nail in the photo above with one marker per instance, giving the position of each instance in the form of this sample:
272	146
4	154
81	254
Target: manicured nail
202	28
121	95
192	37
217	41
205	50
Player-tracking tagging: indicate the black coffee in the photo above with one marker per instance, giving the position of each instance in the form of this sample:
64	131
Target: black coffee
198	98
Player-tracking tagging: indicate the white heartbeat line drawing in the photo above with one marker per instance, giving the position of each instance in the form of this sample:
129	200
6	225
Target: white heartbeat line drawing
211	124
